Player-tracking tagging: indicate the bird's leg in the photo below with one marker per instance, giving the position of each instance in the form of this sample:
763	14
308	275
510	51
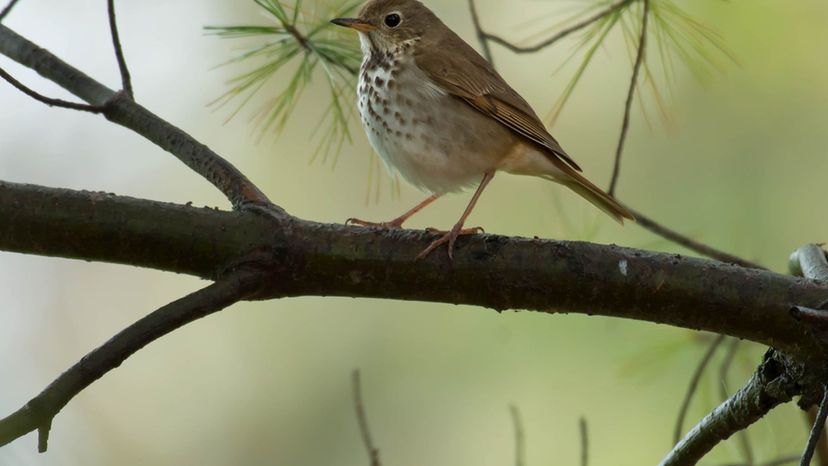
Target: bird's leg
397	222
457	230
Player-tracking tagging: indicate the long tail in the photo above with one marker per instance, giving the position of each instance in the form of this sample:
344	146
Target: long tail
596	196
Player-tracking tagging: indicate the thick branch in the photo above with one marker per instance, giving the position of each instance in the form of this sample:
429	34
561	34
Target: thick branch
38	413
776	381
121	109
308	258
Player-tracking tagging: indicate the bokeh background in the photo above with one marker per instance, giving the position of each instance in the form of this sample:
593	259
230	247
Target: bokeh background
741	165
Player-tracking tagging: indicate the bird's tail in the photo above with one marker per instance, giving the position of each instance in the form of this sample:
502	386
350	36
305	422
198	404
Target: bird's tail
597	196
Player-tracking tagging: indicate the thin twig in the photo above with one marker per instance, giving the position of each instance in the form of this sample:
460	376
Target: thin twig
693	245
822	446
560	35
126	80
816	431
694	384
122	110
38	413
724	370
48	100
7	10
639	60
520	441
362	418
481	35
584	429
776	381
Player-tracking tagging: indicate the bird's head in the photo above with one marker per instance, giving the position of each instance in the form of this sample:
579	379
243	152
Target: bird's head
387	25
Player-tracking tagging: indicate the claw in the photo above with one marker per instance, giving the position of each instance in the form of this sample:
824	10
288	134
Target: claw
449	237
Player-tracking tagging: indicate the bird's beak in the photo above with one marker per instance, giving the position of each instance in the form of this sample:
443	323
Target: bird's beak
354	23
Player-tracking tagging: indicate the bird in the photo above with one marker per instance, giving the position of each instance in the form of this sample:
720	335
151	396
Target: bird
441	116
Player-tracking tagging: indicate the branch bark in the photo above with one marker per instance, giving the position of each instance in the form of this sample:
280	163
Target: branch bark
306	258
776	381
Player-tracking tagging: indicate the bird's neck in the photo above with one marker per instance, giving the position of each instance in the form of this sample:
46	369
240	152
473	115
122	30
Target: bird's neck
377	52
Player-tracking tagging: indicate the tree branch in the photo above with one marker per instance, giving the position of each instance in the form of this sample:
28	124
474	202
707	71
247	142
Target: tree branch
694	385
120	109
639	60
38	413
307	258
816	431
696	246
7	9
126	80
362	418
775	382
560	35
48	100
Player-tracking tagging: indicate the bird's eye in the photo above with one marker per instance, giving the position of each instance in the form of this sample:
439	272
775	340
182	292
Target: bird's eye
393	20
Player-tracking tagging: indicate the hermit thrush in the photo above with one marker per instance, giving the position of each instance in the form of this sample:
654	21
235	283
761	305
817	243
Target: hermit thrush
440	115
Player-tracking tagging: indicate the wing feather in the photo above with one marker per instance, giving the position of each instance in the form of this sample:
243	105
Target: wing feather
467	75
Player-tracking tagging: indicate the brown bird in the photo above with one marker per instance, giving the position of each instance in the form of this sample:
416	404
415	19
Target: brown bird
439	114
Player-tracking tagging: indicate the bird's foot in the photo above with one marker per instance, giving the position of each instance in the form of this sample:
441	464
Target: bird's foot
449	238
395	224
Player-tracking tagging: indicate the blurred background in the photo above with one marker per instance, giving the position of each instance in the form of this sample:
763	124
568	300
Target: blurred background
740	164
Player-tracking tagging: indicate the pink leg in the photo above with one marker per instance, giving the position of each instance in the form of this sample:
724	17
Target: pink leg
397	222
451	236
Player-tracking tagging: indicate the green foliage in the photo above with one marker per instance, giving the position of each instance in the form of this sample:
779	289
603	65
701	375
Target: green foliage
301	47
674	35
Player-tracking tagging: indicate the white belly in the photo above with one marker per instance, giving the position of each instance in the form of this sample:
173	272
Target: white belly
421	132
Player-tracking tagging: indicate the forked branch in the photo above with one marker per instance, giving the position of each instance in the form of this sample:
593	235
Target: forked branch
38	413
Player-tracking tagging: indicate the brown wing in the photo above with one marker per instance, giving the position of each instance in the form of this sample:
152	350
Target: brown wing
465	74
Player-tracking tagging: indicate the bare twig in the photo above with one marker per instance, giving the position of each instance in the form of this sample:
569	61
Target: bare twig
776	381
584	429
48	100
560	35
119	108
481	34
126	81
816	431
809	261
724	370
693	245
362	418
822	446
38	413
490	271
639	60
520	439
8	8
694	385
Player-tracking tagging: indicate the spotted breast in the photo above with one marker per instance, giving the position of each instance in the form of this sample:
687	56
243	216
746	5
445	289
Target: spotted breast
400	109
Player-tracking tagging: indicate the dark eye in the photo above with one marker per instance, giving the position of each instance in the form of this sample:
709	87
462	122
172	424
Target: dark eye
393	20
